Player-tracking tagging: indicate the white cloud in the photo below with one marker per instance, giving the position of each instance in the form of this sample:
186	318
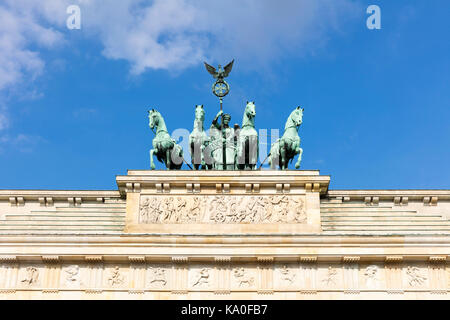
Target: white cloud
20	28
20	142
175	34
168	34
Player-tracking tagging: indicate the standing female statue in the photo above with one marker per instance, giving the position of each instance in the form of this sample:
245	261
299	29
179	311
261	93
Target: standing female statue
223	143
288	146
166	149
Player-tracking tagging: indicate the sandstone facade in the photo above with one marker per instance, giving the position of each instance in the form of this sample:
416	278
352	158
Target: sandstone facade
224	235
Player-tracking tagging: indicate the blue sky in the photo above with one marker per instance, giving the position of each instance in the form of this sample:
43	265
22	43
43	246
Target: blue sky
73	103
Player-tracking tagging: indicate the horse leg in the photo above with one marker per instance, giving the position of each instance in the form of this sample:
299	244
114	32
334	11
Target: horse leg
254	152
196	154
300	152
180	155
152	164
246	154
283	160
255	160
192	151
168	158
273	157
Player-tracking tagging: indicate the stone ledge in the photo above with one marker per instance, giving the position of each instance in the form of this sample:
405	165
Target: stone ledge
222	181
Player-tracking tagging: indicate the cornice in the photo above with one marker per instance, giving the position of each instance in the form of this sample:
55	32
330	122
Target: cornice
162	181
57	195
391	195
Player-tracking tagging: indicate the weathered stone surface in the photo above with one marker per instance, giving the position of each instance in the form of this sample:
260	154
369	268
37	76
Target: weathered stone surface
230	235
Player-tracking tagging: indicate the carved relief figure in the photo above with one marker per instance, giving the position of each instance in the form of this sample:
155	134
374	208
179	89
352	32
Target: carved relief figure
72	273
159	276
287	275
167	208
331	276
415	277
278	208
193	214
149	210
202	277
31	277
116	277
219	207
181	210
296	211
371	274
243	277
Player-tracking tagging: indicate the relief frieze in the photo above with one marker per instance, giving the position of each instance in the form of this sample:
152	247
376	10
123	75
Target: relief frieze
234	277
222	209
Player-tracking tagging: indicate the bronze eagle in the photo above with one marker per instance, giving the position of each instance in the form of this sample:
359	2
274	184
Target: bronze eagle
221	72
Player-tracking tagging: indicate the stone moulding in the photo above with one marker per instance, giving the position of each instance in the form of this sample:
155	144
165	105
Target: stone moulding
265	275
398	197
50	196
223	181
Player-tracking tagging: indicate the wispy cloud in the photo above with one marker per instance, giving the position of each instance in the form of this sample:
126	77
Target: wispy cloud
21	28
3	121
85	113
175	34
21	142
168	34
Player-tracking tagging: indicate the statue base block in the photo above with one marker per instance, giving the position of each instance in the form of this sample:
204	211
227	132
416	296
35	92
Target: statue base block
223	203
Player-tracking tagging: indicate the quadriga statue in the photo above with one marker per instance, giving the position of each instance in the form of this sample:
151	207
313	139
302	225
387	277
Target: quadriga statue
199	142
288	146
247	146
165	148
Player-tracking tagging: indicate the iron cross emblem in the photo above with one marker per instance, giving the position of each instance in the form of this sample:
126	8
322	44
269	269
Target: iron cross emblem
220	88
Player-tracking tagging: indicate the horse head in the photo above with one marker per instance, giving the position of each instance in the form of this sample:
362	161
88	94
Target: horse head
199	112
153	117
297	116
250	109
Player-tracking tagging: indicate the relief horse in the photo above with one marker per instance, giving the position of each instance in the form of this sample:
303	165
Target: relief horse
165	148
199	141
288	146
247	146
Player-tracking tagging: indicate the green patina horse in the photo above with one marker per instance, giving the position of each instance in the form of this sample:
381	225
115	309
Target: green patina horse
247	146
288	146
165	148
198	142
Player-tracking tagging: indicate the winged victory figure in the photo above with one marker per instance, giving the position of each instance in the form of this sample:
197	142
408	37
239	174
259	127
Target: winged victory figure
221	72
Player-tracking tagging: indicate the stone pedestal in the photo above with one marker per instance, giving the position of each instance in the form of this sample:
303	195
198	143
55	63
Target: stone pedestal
223	203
